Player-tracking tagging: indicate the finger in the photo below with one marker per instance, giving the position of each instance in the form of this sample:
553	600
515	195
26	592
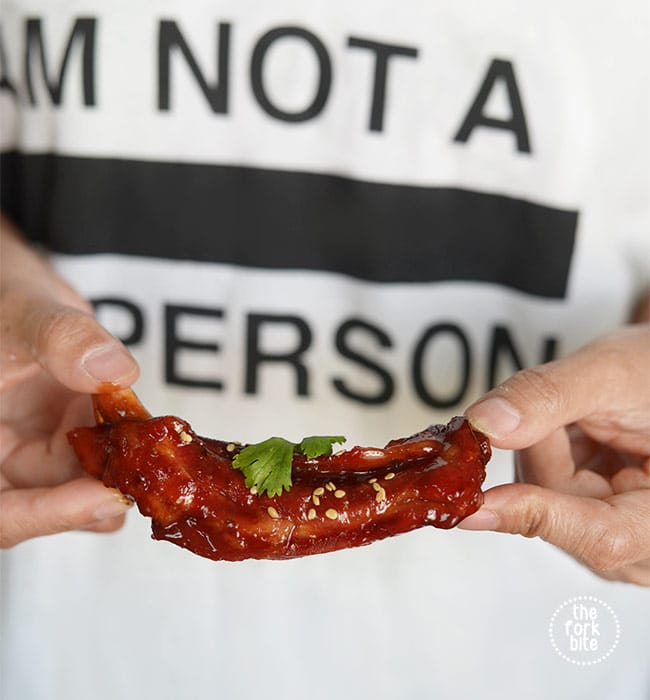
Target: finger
593	455
108	525
27	513
635	573
631	478
48	453
605	535
24	266
641	311
609	378
67	342
551	463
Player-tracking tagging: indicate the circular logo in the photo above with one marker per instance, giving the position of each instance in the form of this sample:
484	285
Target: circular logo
584	630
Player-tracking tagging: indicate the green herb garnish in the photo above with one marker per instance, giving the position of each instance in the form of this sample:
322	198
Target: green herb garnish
318	445
266	465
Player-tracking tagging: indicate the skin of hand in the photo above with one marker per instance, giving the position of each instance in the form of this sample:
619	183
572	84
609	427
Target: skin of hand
52	352
581	428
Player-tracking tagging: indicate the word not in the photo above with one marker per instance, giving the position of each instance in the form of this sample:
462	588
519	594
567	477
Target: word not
172	44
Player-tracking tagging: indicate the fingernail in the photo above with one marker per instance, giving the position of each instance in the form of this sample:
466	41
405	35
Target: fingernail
495	417
483	519
108	363
116	504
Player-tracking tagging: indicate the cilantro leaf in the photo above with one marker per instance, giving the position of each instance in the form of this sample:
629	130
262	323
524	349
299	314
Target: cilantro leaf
318	445
267	465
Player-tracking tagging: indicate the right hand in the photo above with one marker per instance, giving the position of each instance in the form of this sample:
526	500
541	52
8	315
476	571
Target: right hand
581	426
52	352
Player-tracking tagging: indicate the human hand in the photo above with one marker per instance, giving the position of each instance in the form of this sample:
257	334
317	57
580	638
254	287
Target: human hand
52	351
581	426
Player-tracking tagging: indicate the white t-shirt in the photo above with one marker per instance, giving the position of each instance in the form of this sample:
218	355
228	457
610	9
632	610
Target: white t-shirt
326	217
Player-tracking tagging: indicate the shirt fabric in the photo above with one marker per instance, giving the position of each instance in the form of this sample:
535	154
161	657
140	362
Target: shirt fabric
339	218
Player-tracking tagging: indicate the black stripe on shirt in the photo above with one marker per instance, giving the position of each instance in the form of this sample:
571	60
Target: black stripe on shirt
288	220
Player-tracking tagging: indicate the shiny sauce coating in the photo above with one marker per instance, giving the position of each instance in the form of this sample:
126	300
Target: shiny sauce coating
187	486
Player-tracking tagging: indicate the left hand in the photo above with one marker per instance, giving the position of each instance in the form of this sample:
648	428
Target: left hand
582	428
53	355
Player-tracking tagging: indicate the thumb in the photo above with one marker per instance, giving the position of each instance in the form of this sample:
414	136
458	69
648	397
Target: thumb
81	503
606	535
66	341
608	376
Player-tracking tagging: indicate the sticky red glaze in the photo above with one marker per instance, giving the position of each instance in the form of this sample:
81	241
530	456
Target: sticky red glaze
187	485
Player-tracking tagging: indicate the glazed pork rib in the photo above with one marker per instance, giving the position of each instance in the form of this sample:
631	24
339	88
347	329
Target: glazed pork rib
187	485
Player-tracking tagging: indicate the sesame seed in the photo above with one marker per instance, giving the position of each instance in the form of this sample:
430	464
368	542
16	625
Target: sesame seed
253	490
319	491
330	486
381	495
185	437
316	500
339	493
273	512
372	481
311	514
230	447
377	487
331	514
389	476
